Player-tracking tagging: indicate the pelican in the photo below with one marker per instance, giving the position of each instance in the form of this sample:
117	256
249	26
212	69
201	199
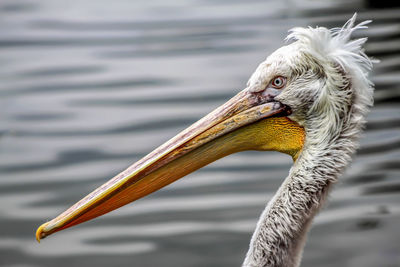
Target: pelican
308	99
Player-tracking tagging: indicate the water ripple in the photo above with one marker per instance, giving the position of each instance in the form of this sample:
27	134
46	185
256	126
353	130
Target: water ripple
87	89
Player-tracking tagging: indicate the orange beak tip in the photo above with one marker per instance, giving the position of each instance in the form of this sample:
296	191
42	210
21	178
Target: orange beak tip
40	233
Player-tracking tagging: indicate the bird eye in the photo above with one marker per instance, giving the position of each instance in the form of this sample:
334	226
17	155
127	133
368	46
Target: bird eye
278	82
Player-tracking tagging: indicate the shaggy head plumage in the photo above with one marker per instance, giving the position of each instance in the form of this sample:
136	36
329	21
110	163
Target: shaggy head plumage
343	60
327	76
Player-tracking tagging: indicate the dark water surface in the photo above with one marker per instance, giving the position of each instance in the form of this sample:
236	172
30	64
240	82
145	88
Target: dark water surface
89	87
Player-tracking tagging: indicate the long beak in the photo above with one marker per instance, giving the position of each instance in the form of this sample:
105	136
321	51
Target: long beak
222	132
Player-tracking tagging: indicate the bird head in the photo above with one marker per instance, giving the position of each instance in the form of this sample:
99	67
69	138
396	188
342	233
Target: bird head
323	77
311	86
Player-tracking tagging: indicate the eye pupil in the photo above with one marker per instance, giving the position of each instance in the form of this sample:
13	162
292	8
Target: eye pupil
278	82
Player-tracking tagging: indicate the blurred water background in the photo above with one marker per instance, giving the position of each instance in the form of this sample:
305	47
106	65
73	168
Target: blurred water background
89	87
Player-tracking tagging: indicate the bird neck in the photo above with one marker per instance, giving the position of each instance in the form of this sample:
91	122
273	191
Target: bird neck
281	230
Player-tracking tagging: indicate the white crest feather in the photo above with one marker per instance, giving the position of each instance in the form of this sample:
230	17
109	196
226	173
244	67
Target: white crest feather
332	46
